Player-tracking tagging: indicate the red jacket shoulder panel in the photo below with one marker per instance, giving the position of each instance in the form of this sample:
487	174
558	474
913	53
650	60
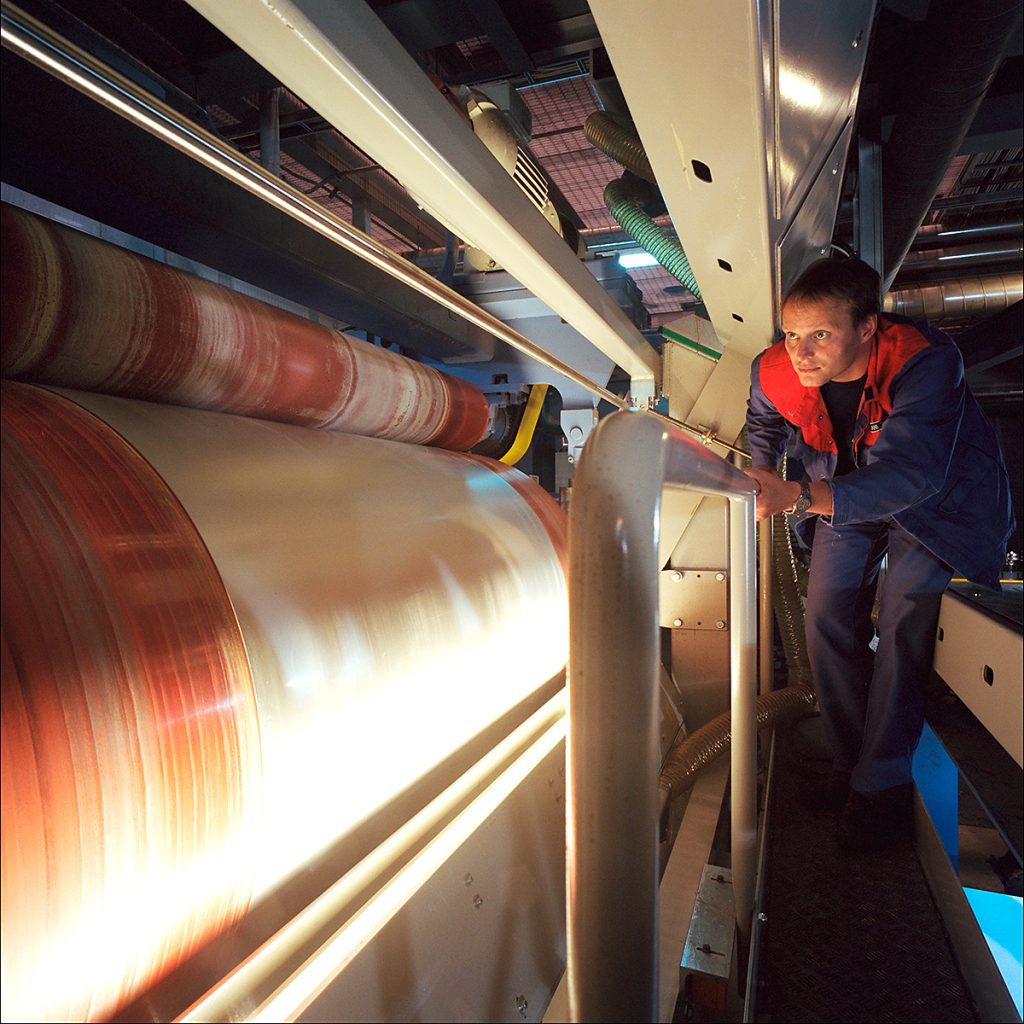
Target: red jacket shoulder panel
780	383
895	345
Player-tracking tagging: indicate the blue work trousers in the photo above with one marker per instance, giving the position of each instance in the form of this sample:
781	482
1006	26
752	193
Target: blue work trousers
872	702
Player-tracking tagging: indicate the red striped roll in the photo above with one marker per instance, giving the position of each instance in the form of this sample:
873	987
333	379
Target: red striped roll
130	739
82	313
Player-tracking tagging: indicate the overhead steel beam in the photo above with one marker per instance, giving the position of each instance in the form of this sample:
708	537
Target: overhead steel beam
308	138
747	136
327	156
343	61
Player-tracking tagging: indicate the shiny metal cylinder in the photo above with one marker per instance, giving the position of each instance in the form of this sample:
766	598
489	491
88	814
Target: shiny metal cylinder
962	297
81	313
743	710
936	234
950	258
374	593
367	577
765	606
613	745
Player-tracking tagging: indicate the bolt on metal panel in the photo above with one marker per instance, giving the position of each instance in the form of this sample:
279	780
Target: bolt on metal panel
709	942
693	599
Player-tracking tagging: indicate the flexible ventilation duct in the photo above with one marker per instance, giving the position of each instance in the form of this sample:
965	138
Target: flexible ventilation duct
628	210
616	137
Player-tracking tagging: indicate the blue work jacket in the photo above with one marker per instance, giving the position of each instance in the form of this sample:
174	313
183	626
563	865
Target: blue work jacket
926	456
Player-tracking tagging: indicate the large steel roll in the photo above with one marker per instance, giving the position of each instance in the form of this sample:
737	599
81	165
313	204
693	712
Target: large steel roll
81	313
227	643
131	763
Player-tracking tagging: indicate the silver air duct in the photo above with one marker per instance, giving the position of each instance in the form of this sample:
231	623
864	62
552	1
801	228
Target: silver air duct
963	297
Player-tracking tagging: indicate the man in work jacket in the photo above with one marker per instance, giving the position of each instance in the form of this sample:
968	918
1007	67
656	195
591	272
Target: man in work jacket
899	460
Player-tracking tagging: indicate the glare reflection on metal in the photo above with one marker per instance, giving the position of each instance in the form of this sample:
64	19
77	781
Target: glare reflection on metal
392	598
299	971
800	89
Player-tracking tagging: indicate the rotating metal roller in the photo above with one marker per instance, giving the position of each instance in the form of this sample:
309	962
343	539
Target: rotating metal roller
131	763
81	313
393	601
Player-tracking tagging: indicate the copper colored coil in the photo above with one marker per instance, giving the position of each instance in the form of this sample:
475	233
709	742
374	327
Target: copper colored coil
79	312
131	757
376	586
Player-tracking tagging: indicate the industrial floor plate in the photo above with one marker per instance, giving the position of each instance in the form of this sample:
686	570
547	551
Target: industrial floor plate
849	936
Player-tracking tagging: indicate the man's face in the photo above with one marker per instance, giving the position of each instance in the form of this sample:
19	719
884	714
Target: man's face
824	343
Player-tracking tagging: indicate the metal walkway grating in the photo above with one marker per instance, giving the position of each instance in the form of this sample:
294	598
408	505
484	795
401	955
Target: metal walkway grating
849	936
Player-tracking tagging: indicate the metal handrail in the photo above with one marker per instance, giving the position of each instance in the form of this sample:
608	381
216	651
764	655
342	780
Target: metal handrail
766	604
613	745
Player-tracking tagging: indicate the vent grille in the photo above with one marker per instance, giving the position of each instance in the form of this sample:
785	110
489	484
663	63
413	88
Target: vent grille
529	178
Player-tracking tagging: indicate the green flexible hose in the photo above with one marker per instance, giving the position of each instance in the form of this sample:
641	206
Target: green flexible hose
627	210
617	138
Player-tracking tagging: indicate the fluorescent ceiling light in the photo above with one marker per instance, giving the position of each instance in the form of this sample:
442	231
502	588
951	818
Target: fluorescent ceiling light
635	260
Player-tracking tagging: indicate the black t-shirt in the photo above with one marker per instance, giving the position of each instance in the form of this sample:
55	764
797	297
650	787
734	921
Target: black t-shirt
842	400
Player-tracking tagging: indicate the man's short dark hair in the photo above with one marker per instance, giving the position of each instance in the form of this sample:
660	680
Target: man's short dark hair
840	280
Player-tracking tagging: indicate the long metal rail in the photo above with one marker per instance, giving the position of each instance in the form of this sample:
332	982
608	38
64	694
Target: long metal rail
343	61
613	748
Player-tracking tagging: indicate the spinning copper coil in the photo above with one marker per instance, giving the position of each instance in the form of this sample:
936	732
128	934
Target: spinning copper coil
131	752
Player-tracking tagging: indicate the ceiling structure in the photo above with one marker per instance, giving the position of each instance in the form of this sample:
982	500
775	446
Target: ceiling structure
550	53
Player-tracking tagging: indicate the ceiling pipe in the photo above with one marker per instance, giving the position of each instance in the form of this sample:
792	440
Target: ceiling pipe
967	256
963	297
958	55
1001	197
937	235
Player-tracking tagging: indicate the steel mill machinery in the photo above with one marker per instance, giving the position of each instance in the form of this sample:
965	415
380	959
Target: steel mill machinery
382	629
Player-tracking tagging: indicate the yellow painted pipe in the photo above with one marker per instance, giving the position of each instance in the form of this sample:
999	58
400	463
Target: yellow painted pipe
527	425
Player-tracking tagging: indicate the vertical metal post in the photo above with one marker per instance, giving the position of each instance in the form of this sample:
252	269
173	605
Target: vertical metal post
613	753
270	131
743	678
867	220
613	750
766	604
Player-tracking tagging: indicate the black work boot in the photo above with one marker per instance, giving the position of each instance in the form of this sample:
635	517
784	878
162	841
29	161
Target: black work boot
825	793
872	821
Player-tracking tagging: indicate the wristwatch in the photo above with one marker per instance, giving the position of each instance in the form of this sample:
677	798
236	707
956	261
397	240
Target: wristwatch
803	503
